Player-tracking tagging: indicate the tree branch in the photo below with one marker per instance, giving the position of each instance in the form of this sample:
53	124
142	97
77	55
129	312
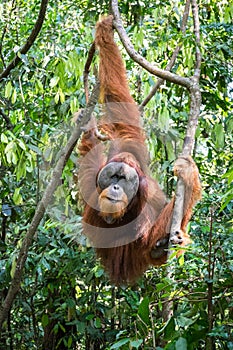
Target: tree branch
163	74
177	215
7	120
90	56
42	205
192	84
5	31
171	63
32	37
211	266
196	23
189	141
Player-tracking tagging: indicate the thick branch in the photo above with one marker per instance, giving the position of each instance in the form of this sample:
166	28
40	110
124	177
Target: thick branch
171	63
32	37
189	141
196	23
188	145
42	205
163	74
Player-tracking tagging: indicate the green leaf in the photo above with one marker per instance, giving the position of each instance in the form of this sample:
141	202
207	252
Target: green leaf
35	149
90	317
14	158
228	197
181	344
8	90
17	198
70	303
97	322
46	61
45	320
39	85
120	343
185	322
99	272
219	136
70	341
9	146
163	120
54	81
56	98
14	96
62	96
136	343
45	264
229	176
181	260
170	150
22	144
62	328
169	329
21	167
74	105
160	286
143	311
4	138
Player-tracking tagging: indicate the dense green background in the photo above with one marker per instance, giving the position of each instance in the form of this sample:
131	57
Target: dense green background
65	301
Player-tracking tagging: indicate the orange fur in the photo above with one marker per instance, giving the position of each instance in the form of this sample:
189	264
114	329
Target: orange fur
148	217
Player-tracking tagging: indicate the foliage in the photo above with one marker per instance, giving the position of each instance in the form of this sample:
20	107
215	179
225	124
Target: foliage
65	297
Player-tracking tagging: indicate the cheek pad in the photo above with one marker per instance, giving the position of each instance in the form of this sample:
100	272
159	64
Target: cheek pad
121	170
130	186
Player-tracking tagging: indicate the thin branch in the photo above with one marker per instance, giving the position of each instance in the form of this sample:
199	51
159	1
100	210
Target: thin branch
195	92
195	103
163	74
171	63
42	205
7	120
211	267
32	37
197	39
90	56
5	30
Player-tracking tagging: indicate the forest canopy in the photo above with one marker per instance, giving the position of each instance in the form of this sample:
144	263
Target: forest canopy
54	293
